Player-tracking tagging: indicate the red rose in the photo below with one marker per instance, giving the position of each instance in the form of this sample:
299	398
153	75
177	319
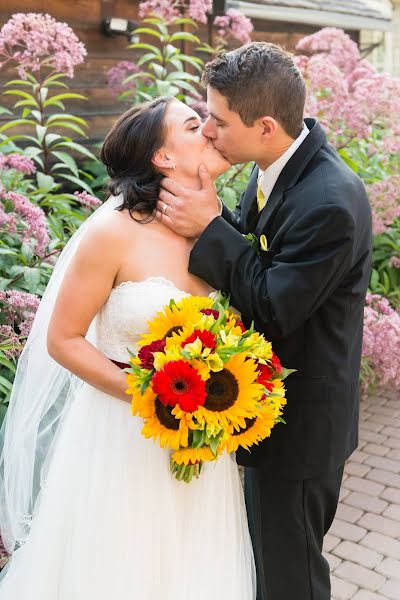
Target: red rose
146	353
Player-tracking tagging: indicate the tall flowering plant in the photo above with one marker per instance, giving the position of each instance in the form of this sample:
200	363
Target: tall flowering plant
358	107
204	384
172	23
37	212
44	53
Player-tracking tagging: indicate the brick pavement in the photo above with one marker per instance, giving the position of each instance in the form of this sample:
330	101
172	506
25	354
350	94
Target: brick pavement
363	544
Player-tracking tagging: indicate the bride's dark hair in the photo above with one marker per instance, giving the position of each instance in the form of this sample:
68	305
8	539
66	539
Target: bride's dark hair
127	152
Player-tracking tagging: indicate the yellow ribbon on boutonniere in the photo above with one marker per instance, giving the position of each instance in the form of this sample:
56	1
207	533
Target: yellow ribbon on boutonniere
263	242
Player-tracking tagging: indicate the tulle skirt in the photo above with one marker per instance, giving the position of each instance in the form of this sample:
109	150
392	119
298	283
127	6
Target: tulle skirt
113	524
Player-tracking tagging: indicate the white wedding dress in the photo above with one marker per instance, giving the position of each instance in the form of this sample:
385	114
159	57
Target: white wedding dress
112	523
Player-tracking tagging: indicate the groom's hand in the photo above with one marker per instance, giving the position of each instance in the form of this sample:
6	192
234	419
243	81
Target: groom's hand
187	211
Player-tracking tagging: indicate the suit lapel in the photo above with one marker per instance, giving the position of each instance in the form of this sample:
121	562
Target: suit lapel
291	173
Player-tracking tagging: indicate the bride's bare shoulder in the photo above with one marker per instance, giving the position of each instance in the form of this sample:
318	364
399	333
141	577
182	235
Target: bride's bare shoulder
112	228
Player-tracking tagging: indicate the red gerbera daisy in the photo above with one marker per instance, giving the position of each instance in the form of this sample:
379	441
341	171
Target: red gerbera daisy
146	353
207	338
179	383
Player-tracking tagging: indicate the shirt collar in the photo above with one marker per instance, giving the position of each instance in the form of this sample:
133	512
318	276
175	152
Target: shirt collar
271	173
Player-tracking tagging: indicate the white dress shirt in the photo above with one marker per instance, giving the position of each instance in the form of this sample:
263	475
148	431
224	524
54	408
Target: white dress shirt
268	178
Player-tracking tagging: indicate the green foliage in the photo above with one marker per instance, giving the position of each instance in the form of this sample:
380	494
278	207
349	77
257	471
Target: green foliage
385	278
165	65
47	143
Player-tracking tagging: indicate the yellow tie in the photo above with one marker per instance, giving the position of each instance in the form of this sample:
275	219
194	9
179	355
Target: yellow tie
260	197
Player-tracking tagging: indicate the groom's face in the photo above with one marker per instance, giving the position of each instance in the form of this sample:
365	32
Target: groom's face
230	136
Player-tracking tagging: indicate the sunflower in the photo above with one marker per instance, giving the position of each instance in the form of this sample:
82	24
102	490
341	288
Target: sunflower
254	431
233	394
173	318
193	455
159	422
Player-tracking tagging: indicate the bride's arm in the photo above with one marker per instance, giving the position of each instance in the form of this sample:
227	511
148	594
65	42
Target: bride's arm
85	288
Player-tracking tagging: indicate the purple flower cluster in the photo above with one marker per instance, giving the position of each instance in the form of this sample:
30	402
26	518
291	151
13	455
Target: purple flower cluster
116	76
162	8
235	24
394	262
345	92
30	216
198	9
19	162
18	310
87	199
384	197
381	343
35	40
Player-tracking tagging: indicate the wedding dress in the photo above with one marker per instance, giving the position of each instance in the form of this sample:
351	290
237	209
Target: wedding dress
111	522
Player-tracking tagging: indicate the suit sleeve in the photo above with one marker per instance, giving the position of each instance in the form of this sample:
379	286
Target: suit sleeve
232	216
314	256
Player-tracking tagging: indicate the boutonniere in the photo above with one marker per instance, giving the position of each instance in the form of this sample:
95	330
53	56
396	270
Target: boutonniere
258	244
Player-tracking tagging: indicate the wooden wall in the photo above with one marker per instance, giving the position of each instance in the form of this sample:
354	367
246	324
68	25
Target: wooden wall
85	18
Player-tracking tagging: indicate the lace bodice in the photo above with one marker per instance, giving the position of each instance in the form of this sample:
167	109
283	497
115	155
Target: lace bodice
124	316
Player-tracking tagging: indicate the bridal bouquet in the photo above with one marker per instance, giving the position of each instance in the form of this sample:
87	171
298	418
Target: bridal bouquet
203	383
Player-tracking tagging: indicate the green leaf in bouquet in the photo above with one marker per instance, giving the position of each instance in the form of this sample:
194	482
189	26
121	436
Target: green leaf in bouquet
172	303
215	441
199	437
285	373
144	386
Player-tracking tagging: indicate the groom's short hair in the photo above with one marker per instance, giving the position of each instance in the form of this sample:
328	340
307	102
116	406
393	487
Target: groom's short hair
260	79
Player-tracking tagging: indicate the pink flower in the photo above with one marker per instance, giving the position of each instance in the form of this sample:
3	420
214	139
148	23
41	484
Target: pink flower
198	10
18	309
381	343
87	200
162	8
348	95
236	24
395	262
333	44
116	76
35	40
384	197
19	162
32	218
7	220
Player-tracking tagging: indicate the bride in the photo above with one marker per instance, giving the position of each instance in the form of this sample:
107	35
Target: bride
87	504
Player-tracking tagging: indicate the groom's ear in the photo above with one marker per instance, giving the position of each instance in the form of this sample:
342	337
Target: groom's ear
269	127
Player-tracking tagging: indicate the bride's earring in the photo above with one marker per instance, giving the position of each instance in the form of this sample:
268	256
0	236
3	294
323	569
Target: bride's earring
173	166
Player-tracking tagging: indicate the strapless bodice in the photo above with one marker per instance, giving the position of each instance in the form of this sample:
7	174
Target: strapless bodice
123	318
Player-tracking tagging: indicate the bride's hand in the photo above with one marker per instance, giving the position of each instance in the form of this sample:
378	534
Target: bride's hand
186	211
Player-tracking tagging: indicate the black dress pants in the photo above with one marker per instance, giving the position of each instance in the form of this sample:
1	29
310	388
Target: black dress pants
288	520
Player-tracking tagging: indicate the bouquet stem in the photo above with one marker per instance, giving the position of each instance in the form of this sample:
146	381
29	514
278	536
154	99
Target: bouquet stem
186	472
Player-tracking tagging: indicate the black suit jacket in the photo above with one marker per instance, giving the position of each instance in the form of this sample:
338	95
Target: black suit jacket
306	293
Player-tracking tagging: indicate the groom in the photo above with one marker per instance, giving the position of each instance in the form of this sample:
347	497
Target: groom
305	290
